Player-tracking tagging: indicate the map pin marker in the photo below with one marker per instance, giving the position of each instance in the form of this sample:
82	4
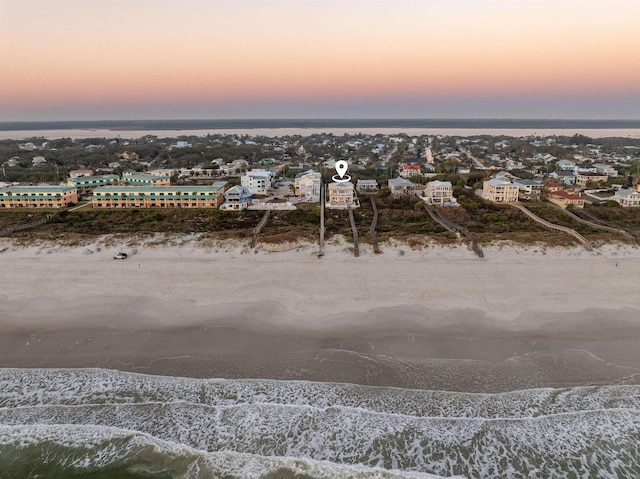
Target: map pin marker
341	168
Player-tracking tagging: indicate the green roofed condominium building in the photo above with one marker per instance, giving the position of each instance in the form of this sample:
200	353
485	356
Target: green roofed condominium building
159	196
45	196
90	182
145	179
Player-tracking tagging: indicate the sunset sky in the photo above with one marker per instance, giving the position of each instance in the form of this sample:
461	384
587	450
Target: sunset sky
159	59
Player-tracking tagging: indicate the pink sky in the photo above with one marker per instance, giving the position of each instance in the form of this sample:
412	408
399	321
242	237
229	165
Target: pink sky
79	59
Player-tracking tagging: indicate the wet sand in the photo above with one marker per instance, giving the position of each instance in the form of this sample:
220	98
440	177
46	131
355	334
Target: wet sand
435	319
489	360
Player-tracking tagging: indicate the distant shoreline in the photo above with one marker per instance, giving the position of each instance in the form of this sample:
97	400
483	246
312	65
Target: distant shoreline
305	131
227	124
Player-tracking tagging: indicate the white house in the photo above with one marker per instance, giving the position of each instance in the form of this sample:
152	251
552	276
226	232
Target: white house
439	193
257	181
627	198
307	185
500	190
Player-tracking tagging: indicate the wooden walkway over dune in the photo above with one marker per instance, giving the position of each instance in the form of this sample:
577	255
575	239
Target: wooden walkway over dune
547	224
34	224
459	230
601	225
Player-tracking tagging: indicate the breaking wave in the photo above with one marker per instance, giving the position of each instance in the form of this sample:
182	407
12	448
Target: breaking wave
88	421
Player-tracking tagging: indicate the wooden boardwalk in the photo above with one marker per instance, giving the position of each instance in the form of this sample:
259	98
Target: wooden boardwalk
322	230
459	230
356	244
601	225
374	224
553	226
13	229
257	229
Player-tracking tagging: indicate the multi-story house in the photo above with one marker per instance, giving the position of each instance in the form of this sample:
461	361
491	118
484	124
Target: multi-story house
439	193
257	181
236	198
500	190
307	185
341	195
564	199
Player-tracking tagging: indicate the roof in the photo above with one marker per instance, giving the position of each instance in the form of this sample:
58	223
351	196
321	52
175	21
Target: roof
399	182
343	184
144	176
626	192
500	182
241	190
216	187
528	182
437	183
82	179
367	182
42	188
412	166
566	195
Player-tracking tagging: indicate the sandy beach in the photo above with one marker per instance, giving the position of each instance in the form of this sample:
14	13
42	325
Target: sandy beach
437	317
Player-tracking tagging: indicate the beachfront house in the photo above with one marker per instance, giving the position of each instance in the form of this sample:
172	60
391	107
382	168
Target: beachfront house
341	195
367	186
307	185
43	196
564	199
440	193
627	198
257	181
236	198
400	187
500	190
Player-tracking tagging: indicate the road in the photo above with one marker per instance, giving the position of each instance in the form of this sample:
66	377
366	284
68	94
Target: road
476	161
388	157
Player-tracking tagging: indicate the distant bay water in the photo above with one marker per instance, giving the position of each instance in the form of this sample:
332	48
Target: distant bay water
279	128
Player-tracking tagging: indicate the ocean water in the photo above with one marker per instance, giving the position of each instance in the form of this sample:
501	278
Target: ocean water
96	423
